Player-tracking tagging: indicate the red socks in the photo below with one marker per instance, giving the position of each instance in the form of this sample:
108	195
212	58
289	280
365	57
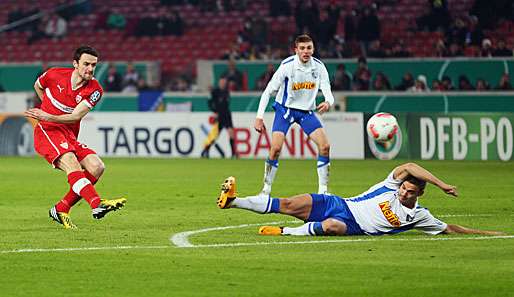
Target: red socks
81	186
71	198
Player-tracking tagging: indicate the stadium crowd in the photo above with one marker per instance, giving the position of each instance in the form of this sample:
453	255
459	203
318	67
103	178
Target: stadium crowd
351	30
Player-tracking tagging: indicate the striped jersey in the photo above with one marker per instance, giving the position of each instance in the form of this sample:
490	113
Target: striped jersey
297	85
60	98
379	211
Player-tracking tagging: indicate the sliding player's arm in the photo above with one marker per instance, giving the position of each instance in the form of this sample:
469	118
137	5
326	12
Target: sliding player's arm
457	229
401	172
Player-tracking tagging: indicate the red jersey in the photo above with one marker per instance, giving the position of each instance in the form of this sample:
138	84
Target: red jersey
60	98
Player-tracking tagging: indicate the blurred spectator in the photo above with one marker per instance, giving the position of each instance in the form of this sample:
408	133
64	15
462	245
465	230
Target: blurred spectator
368	29
130	79
116	20
362	76
279	8
176	23
56	26
341	50
420	85
486	13
447	83
142	85
113	81
486	50
436	16
14	15
262	81
465	84
350	26
399	50
341	80
502	50
473	34
437	86
406	83
181	84
324	31
455	50
234	76
504	84
375	50
440	49
162	22
306	16
233	53
482	85
381	83
456	32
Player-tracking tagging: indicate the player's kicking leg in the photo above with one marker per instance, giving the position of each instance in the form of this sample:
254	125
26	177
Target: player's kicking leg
302	207
83	187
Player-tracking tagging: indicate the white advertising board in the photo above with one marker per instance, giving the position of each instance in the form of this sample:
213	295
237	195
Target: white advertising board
132	134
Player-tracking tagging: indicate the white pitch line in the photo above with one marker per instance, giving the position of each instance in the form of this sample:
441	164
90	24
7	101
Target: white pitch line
181	239
348	241
85	249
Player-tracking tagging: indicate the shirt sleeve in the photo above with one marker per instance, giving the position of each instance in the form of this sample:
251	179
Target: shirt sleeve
93	98
273	86
42	80
391	182
429	224
325	86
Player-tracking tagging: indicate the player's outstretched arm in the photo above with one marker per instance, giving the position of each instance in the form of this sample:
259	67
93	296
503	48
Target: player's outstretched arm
78	113
401	172
456	229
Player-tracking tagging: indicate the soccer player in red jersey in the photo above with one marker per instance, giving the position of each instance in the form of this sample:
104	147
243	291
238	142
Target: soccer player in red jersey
67	95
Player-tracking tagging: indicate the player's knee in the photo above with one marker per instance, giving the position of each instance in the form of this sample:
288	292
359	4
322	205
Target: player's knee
285	205
324	149
97	168
275	151
334	227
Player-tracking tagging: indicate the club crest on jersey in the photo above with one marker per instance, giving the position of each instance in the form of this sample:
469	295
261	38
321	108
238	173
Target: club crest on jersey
390	216
95	96
78	98
64	145
308	85
314	74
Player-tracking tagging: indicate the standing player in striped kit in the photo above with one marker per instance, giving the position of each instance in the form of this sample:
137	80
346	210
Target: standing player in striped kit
67	95
297	81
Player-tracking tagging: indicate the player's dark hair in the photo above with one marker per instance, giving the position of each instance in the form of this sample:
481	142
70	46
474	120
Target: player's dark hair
302	38
421	184
85	49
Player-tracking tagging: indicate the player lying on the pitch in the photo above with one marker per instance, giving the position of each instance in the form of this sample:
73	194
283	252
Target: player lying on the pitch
388	207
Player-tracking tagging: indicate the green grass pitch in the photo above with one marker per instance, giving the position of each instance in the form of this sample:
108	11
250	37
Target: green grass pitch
129	253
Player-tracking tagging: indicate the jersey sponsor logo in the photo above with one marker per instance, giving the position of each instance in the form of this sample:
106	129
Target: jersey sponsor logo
390	216
308	85
60	88
95	96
